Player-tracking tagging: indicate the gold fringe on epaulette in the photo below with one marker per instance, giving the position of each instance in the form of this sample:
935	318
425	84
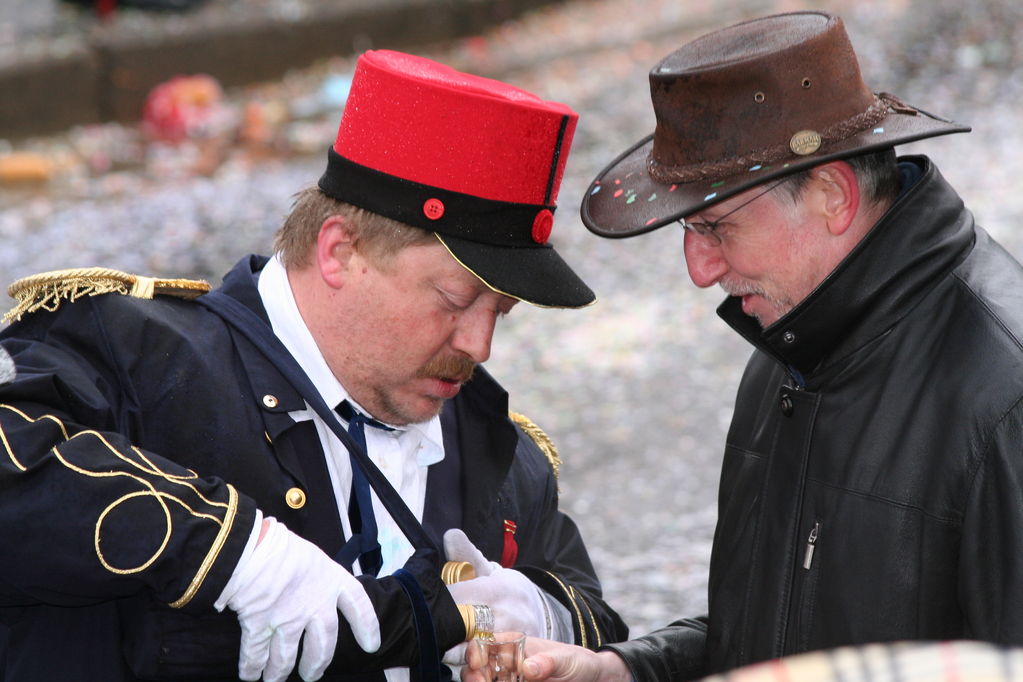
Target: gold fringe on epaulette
47	290
542	440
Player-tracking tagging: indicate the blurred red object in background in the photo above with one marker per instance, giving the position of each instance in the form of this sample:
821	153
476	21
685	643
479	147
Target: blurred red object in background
182	107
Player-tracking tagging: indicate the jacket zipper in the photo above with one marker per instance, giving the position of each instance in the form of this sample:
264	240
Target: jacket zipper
811	542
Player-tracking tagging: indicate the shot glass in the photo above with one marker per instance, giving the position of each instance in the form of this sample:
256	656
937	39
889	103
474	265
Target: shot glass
501	656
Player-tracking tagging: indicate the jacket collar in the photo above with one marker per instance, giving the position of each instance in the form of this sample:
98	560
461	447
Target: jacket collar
486	440
487	436
279	397
924	234
240	283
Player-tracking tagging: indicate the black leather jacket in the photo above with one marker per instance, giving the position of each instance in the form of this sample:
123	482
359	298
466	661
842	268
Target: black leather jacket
872	483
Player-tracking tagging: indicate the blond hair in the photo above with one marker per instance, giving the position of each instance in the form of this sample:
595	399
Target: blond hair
376	237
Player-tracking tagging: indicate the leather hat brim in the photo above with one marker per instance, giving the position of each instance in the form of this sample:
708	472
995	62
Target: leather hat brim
624	201
536	275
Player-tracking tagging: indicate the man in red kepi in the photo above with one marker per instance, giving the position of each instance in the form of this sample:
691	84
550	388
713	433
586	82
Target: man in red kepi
872	474
196	483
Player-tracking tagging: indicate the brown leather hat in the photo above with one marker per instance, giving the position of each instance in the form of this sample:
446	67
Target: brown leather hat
738	107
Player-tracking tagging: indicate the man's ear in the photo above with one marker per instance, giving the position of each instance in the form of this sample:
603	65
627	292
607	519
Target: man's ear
840	195
335	247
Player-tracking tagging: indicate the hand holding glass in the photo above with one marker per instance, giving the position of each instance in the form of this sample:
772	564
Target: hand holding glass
501	656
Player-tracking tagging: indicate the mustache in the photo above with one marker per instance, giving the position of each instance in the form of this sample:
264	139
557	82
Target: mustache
740	288
452	367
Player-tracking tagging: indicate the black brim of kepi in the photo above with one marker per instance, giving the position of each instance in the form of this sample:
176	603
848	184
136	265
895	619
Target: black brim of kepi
536	275
624	201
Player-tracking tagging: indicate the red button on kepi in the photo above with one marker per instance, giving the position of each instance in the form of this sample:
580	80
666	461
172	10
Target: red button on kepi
433	209
542	225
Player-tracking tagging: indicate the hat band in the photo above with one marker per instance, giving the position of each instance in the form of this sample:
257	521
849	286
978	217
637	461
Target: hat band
455	214
719	170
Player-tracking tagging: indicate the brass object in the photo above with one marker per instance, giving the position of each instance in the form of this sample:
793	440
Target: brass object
295	497
469	619
456	571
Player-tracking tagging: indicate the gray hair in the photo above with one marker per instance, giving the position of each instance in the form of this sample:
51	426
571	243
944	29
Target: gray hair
877	173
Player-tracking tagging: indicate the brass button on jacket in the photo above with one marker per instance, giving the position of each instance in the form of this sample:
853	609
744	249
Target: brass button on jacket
295	497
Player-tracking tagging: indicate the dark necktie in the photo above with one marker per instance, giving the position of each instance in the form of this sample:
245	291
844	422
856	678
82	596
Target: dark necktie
363	545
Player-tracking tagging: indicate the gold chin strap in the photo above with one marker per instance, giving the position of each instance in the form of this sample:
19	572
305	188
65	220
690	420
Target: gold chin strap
47	290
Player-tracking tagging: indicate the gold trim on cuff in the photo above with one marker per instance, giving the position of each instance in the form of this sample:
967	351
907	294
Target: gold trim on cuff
211	556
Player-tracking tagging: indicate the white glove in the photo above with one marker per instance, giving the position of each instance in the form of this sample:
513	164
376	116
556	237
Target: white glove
512	597
288	587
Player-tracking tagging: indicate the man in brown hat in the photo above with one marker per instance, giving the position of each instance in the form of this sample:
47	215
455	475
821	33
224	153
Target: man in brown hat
872	475
202	484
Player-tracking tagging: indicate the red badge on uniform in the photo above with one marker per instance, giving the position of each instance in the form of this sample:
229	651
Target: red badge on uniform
511	548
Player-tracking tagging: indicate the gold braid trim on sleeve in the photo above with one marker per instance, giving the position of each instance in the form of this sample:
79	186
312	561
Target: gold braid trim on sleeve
46	290
542	440
139	478
574	598
593	619
214	552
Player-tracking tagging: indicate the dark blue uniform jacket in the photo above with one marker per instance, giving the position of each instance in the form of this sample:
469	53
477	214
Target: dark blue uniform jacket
137	442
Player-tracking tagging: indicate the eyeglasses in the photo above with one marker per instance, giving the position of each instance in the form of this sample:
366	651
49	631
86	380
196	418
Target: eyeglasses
709	228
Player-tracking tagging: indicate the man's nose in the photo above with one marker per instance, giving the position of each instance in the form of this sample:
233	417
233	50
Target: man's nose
474	333
704	260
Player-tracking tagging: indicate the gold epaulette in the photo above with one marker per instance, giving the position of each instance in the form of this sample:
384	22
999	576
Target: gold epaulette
542	440
46	290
